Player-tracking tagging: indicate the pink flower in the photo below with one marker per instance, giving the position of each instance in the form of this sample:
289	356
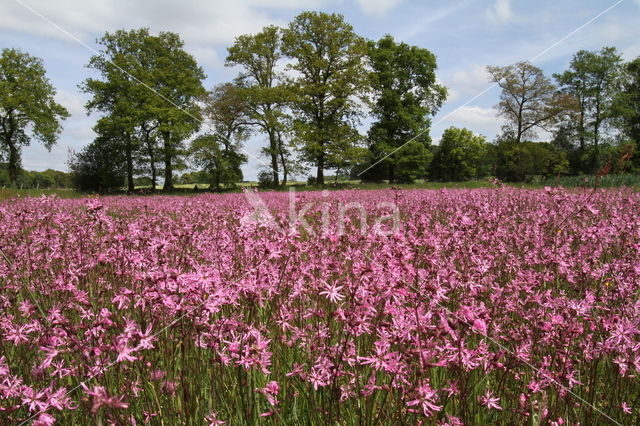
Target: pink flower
427	399
212	419
100	398
480	326
489	401
332	293
124	352
44	419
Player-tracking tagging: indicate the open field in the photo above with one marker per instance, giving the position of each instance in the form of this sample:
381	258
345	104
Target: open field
189	189
456	306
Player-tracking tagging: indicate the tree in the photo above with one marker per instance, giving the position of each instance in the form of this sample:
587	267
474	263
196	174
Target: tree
179	82
219	159
626	105
519	161
228	112
28	109
259	84
330	76
405	94
591	81
125	65
528	101
218	155
98	167
148	94
460	156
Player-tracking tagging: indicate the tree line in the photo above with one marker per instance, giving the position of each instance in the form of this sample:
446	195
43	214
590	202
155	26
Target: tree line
306	89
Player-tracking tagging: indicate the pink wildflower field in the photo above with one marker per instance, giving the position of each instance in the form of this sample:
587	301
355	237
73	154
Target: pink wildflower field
489	306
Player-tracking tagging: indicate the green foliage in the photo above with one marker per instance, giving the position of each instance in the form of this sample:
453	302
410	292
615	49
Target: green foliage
264	91
413	163
99	167
405	94
516	162
460	156
28	109
591	80
265	179
191	178
48	179
330	76
626	107
228	110
149	83
220	161
631	180
4	177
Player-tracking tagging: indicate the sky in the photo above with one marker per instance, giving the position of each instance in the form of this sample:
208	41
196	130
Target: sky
465	36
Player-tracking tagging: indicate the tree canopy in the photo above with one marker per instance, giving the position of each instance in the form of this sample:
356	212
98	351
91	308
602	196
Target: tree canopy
404	95
28	109
330	77
149	84
528	101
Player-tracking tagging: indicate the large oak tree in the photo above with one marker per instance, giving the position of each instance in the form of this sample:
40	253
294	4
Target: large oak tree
592	81
261	86
405	95
28	109
528	101
329	78
149	83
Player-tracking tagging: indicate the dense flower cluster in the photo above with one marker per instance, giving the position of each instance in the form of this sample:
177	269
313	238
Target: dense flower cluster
485	306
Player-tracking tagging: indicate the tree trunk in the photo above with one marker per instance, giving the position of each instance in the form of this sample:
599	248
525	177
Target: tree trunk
154	175
283	161
392	173
152	164
129	155
14	161
320	174
168	166
519	135
273	150
596	136
581	128
152	161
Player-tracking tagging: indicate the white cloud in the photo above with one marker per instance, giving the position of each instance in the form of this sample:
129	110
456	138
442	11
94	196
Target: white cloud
467	82
378	7
422	23
501	12
478	119
631	52
212	22
72	102
205	55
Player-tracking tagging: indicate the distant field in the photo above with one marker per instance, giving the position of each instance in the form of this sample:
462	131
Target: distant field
609	181
6	193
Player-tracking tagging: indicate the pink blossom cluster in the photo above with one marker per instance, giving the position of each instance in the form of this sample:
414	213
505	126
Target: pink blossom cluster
498	306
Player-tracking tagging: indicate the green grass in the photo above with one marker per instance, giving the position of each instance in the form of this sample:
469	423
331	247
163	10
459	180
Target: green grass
8	193
608	181
587	181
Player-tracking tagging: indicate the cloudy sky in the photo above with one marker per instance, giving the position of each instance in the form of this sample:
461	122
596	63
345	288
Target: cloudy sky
465	35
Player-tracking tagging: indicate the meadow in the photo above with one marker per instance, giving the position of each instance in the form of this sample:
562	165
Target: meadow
449	307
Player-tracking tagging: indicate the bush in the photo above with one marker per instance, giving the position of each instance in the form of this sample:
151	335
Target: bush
517	162
461	156
265	179
96	168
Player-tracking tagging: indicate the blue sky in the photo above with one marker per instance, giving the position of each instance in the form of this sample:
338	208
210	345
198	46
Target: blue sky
465	35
